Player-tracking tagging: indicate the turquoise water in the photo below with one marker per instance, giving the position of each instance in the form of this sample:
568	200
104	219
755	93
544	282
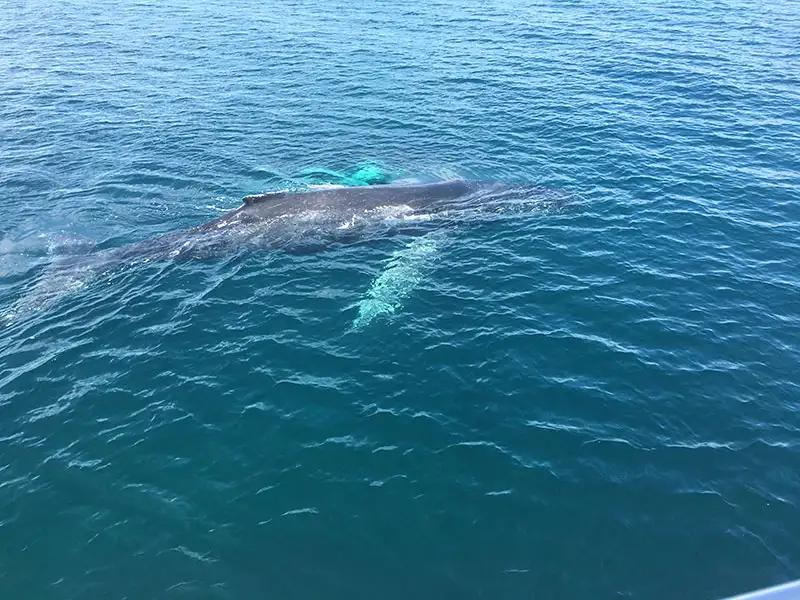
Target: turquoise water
598	401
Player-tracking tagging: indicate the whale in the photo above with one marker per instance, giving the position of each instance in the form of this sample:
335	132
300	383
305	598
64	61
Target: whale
318	219
314	220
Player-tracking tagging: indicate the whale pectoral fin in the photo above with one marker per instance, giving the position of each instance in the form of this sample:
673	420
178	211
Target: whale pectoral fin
403	272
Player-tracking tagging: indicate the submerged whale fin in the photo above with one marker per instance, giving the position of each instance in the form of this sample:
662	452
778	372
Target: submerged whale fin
364	173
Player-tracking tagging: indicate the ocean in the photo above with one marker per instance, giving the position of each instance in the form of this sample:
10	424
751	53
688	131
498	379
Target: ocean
590	398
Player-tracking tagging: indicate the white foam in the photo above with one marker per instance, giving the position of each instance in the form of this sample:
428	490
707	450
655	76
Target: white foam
325	186
391	211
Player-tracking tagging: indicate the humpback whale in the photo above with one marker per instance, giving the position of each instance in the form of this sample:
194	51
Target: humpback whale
319	218
313	220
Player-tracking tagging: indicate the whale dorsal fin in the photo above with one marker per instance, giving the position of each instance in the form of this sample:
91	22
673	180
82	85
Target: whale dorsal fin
265	197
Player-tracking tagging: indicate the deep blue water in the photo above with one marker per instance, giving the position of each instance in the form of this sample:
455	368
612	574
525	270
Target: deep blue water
597	401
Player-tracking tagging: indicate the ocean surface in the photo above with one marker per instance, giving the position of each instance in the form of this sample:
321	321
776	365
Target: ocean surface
590	398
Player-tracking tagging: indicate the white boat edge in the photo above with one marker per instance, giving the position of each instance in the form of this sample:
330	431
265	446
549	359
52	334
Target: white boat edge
786	591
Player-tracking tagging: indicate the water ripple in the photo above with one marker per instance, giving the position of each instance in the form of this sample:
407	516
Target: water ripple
601	384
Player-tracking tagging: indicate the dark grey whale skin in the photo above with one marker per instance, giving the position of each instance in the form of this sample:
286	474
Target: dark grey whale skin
280	219
354	200
319	219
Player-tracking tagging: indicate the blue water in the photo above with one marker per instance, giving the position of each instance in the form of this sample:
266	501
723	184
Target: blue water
599	401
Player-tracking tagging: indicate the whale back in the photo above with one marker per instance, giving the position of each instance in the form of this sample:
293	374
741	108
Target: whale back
265	197
360	197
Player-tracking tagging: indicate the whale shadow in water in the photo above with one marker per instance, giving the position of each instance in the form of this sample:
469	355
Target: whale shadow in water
308	221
